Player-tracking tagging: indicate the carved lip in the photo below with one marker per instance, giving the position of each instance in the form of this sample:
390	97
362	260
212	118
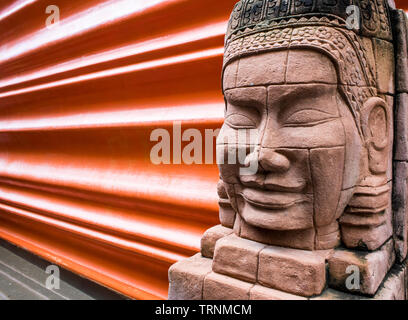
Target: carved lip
272	200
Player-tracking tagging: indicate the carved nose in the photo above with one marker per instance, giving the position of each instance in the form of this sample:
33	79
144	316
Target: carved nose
273	161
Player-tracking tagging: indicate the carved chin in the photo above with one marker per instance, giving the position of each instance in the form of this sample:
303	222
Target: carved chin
296	216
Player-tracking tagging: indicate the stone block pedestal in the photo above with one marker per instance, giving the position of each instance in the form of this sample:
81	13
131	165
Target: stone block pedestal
241	269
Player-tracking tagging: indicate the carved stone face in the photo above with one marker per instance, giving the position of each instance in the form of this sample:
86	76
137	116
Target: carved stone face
310	153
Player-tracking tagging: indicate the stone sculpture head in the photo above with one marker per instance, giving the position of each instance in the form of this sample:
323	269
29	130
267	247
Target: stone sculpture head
317	95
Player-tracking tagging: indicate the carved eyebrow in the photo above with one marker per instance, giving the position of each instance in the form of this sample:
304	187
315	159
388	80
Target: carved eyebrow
235	96
302	92
316	98
311	109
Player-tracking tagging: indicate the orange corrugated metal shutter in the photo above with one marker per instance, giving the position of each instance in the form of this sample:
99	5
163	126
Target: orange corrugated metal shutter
402	4
77	105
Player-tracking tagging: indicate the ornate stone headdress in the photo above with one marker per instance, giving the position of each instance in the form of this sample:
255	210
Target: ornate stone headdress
265	25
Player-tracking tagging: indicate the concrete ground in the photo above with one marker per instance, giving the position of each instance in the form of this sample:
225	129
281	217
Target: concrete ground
23	277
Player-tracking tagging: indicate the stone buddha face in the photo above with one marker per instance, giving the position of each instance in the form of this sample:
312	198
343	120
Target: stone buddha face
309	151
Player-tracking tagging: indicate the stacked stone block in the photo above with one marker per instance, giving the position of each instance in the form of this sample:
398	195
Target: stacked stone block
240	269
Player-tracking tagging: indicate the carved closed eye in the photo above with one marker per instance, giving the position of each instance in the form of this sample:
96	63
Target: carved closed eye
308	118
240	121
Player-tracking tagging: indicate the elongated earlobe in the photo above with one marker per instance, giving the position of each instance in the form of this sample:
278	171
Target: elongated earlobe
375	124
365	223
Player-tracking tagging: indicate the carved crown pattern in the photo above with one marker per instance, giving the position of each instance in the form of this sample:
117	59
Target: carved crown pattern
251	15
